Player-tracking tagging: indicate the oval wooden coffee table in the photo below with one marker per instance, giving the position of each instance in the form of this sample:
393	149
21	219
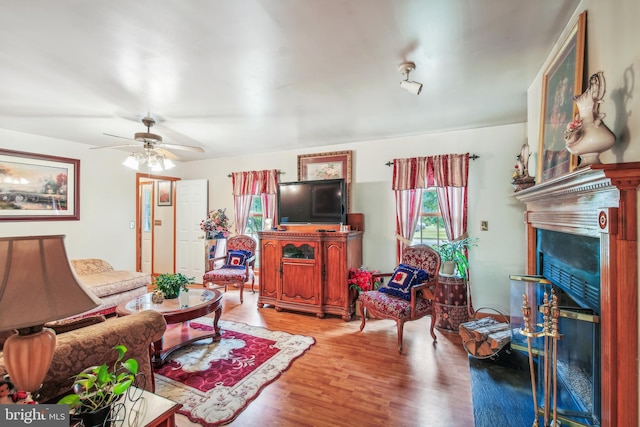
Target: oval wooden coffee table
179	331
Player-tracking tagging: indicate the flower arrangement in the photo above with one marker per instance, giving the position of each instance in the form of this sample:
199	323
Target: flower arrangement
216	223
360	280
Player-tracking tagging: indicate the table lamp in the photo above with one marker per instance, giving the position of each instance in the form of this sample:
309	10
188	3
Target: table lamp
37	285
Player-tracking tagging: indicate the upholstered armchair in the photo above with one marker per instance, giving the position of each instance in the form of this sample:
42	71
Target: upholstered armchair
238	265
408	295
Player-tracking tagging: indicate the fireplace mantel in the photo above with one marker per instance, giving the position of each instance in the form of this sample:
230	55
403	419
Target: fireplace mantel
600	201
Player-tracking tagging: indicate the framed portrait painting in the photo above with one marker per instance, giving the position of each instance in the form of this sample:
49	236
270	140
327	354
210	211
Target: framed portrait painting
561	82
332	165
37	187
165	193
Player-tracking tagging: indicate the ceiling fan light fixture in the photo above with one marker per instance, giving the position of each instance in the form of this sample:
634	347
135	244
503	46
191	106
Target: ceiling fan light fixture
131	162
168	164
148	137
155	162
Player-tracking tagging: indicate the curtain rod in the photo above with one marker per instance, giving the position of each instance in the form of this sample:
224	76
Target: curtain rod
471	156
279	173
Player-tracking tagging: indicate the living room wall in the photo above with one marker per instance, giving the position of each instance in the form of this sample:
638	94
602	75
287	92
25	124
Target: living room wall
501	249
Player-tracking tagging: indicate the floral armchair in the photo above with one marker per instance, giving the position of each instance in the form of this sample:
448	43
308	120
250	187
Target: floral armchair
238	267
412	303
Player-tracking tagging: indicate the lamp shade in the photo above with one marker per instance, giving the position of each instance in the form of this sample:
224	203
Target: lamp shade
37	284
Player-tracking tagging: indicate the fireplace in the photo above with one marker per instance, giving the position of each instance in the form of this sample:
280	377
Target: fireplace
581	232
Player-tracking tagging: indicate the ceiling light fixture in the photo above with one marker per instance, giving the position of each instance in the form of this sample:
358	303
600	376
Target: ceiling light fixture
154	161
412	87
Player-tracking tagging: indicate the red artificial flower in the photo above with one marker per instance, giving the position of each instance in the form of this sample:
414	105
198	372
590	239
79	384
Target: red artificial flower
360	279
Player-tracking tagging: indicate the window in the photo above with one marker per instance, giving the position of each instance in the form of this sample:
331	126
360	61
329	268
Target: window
430	228
254	224
146	208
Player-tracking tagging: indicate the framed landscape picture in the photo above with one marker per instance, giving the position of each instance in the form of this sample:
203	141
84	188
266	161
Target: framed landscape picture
332	165
561	82
37	187
165	195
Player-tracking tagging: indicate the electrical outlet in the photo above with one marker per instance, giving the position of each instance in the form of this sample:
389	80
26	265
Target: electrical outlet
484	225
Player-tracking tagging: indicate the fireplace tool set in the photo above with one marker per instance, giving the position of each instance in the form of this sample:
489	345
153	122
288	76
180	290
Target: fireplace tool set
549	359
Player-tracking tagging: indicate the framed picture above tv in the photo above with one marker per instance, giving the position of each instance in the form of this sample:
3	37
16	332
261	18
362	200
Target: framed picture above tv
331	165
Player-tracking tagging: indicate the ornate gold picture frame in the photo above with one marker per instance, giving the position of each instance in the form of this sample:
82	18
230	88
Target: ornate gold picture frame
562	81
331	165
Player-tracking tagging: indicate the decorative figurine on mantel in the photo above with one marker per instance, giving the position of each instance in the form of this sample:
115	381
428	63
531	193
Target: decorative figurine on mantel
521	178
586	136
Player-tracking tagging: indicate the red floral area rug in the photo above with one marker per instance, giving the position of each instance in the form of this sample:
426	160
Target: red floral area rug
216	381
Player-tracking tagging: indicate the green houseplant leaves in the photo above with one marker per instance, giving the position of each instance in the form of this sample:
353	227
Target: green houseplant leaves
172	283
98	387
456	251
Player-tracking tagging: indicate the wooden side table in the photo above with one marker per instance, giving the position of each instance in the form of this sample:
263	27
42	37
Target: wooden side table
450	303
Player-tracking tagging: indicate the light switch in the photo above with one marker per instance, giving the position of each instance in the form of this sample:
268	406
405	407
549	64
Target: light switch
484	225
132	224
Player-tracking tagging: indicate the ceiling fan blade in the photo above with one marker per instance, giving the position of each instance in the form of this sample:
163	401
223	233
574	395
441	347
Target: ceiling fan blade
168	154
115	146
183	147
118	136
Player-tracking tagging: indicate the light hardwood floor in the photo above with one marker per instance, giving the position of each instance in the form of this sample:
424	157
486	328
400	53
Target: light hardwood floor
353	378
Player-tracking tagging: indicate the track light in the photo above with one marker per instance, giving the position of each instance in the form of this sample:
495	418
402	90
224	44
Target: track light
412	87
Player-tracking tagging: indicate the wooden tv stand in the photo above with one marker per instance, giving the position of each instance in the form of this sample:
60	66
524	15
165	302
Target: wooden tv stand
308	271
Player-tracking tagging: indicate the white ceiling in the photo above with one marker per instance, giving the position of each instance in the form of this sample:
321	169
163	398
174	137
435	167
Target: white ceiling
266	75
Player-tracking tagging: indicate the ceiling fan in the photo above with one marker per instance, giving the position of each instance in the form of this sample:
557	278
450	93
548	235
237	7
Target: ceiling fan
152	142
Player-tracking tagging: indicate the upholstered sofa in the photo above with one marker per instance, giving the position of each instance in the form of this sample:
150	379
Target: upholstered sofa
111	286
92	345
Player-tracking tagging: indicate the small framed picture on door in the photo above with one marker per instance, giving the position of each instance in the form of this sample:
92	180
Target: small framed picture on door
165	193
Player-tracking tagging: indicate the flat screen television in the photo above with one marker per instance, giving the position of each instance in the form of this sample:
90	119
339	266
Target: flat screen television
312	202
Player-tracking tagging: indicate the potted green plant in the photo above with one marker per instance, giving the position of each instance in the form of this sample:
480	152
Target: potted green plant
172	283
97	388
453	256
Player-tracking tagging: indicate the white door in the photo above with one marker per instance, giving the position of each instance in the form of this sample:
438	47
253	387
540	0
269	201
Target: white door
146	217
191	208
